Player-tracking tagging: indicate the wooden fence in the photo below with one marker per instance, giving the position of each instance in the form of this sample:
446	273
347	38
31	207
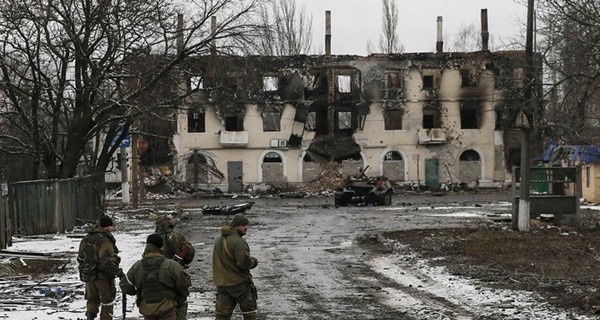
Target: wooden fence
50	206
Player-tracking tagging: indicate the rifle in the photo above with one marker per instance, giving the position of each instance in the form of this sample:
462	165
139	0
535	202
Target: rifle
124	304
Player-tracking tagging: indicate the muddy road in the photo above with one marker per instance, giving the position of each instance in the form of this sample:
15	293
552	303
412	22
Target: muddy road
312	264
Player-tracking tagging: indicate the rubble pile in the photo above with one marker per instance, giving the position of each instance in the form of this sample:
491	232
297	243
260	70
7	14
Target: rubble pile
330	179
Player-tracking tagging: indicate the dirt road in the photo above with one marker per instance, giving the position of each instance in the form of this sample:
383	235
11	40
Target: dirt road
312	266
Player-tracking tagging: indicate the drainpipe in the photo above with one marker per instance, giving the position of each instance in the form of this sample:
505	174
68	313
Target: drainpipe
485	35
439	45
328	33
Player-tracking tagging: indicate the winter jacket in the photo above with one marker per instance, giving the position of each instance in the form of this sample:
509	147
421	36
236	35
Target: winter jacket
177	247
97	255
158	290
232	266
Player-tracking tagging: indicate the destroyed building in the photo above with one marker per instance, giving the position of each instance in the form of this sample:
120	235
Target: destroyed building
423	118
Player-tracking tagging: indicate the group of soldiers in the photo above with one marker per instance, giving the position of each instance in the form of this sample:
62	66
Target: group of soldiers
159	280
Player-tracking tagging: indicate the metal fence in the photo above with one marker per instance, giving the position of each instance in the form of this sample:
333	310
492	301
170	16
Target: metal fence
5	230
50	206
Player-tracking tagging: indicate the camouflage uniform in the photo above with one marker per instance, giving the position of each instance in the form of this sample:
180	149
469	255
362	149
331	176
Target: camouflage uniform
158	283
178	248
231	274
98	267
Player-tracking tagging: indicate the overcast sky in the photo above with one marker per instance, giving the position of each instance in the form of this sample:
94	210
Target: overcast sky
355	22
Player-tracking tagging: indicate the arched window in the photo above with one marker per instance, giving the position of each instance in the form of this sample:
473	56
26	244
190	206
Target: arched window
272	157
469	155
392	156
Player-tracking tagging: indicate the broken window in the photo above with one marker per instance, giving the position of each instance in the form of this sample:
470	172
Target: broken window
196	121
344	120
393	119
466	79
469	114
427	82
196	83
234	123
272	157
393	80
498	125
344	83
431	118
271	121
392	156
270	83
469	155
311	121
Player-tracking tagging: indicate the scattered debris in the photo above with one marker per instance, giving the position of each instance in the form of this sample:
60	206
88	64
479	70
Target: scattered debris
226	210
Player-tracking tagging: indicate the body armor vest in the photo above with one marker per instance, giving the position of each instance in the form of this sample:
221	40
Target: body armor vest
152	289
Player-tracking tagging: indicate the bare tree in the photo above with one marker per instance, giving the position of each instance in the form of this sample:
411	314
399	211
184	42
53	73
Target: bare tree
284	29
388	42
569	31
76	73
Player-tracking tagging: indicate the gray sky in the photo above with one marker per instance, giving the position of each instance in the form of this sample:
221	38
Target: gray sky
355	22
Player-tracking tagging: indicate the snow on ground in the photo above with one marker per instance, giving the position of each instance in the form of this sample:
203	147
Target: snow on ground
404	269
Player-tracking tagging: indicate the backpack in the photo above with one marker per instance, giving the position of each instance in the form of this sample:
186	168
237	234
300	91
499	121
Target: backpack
88	259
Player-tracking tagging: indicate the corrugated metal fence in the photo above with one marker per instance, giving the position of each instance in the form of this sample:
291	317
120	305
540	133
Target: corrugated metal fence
5	230
50	206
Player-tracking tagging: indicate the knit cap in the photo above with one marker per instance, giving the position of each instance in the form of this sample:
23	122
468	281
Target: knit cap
239	220
105	221
156	240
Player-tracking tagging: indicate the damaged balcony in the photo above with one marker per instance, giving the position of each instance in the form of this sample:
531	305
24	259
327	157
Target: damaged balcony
234	138
432	136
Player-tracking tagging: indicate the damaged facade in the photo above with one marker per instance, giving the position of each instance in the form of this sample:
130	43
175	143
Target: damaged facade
413	117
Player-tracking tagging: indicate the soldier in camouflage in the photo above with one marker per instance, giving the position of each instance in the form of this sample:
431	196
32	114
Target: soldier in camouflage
231	271
158	283
177	248
98	267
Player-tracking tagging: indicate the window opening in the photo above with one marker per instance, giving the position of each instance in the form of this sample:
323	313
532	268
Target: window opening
234	123
469	115
272	157
270	83
393	80
344	83
428	82
469	155
311	121
431	118
196	121
196	82
271	121
392	156
344	120
393	119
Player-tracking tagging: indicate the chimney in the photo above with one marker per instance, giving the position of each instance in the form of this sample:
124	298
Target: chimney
485	35
439	45
179	32
328	33
213	29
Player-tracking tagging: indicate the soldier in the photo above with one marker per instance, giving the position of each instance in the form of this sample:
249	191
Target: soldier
231	271
156	300
98	267
178	248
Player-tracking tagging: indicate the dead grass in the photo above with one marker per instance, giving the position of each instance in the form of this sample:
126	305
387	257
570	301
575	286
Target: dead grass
561	264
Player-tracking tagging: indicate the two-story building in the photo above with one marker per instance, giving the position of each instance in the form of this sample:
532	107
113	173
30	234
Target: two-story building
416	118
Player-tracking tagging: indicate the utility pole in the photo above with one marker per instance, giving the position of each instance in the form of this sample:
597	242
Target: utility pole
135	158
526	112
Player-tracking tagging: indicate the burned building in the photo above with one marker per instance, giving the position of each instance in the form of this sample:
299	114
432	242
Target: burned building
420	118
